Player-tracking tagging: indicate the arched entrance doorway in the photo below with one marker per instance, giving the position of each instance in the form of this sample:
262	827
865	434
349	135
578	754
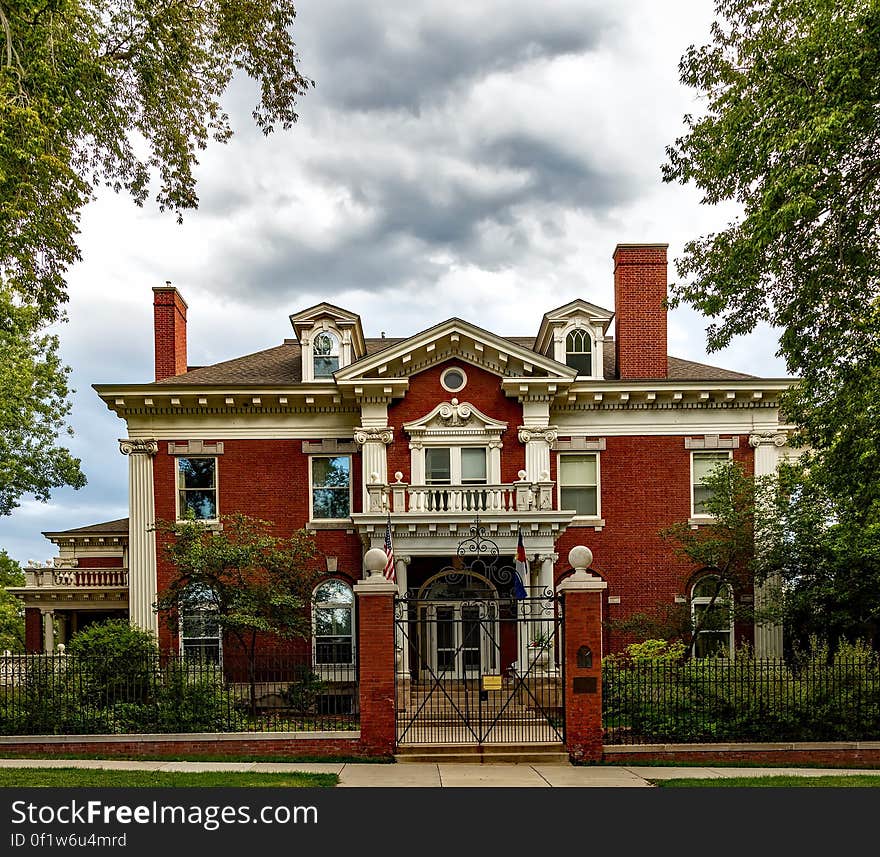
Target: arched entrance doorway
458	612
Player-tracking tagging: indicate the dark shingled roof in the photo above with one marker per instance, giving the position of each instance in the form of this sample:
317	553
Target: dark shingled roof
282	366
118	527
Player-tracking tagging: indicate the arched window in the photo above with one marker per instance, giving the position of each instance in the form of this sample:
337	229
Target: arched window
579	351
325	352
712	616
334	623
200	637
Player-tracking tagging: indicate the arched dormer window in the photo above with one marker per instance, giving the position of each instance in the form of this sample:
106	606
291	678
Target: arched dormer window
579	351
325	352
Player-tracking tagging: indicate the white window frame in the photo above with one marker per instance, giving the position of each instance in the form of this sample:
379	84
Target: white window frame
177	488
181	637
460	372
718	453
704	600
316	605
337	339
597	345
587	334
559	457
312	486
455	462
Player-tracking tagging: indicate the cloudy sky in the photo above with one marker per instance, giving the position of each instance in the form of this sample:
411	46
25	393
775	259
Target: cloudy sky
481	162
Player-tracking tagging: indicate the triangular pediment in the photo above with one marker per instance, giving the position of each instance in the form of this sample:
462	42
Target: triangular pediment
560	316
455	417
455	339
307	319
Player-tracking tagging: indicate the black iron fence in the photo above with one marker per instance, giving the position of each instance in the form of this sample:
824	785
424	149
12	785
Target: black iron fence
65	694
708	700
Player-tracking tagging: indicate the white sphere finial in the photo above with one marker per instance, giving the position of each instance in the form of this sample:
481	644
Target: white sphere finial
522	475
580	558
374	478
398	476
375	560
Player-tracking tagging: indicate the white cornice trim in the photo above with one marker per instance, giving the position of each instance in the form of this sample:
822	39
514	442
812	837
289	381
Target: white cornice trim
452	327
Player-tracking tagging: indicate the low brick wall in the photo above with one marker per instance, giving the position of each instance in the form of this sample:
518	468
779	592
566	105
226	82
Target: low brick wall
826	754
328	745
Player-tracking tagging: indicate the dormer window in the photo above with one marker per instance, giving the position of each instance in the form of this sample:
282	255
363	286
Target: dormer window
579	352
326	355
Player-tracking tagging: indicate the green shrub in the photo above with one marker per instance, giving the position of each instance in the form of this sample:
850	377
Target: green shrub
114	662
191	702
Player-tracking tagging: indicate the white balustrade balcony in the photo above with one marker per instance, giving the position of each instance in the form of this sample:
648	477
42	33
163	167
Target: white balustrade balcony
75	578
400	498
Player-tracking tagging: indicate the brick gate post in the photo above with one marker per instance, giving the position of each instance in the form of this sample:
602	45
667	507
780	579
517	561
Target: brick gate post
376	656
582	635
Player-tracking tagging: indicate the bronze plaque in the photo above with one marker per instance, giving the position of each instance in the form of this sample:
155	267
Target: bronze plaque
491	682
585	684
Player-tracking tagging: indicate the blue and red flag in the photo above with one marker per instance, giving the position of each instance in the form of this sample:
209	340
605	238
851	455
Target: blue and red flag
521	568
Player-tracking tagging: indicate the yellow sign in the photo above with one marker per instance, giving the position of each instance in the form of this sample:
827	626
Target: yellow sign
491	682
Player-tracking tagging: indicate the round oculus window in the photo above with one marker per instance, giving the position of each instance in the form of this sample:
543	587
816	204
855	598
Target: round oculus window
453	380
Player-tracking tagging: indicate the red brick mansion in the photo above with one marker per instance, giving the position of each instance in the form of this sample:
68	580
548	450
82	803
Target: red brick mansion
569	436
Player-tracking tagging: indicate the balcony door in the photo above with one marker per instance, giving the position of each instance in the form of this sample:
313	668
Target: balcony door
455	470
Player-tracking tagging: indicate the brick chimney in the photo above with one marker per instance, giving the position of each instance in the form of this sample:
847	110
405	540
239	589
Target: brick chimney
169	331
640	314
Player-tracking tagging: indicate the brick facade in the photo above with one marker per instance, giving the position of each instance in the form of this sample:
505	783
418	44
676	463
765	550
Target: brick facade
482	390
265	479
33	630
639	566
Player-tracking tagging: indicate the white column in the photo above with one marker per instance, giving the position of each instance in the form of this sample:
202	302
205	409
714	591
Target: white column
374	459
545	606
48	631
538	442
401	567
142	584
768	636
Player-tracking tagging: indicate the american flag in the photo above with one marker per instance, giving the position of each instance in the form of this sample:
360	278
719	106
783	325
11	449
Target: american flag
389	553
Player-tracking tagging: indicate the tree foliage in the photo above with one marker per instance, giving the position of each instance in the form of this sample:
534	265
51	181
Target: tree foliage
826	558
252	582
115	93
11	608
723	546
791	132
33	408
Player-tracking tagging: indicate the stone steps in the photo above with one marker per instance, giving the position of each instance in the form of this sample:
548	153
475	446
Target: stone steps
485	754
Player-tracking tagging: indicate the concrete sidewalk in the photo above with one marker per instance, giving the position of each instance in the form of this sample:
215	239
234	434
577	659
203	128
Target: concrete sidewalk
429	775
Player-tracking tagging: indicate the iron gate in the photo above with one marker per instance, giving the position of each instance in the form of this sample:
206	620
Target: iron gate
478	657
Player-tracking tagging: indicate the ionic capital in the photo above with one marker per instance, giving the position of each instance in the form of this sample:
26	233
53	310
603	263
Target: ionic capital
138	446
768	437
529	433
373	435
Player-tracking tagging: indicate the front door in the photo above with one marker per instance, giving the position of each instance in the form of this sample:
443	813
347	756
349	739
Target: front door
462	639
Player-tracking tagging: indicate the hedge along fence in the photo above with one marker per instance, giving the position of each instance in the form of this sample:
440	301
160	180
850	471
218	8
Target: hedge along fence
75	695
742	699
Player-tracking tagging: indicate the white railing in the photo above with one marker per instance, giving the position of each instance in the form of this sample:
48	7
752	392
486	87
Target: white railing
461	498
75	577
401	498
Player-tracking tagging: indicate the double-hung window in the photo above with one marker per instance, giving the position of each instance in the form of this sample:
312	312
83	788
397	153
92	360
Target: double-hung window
702	465
200	637
579	483
197	488
712	617
331	487
334	625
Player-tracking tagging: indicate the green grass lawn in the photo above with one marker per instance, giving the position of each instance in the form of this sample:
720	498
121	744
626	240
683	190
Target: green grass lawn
832	781
87	778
